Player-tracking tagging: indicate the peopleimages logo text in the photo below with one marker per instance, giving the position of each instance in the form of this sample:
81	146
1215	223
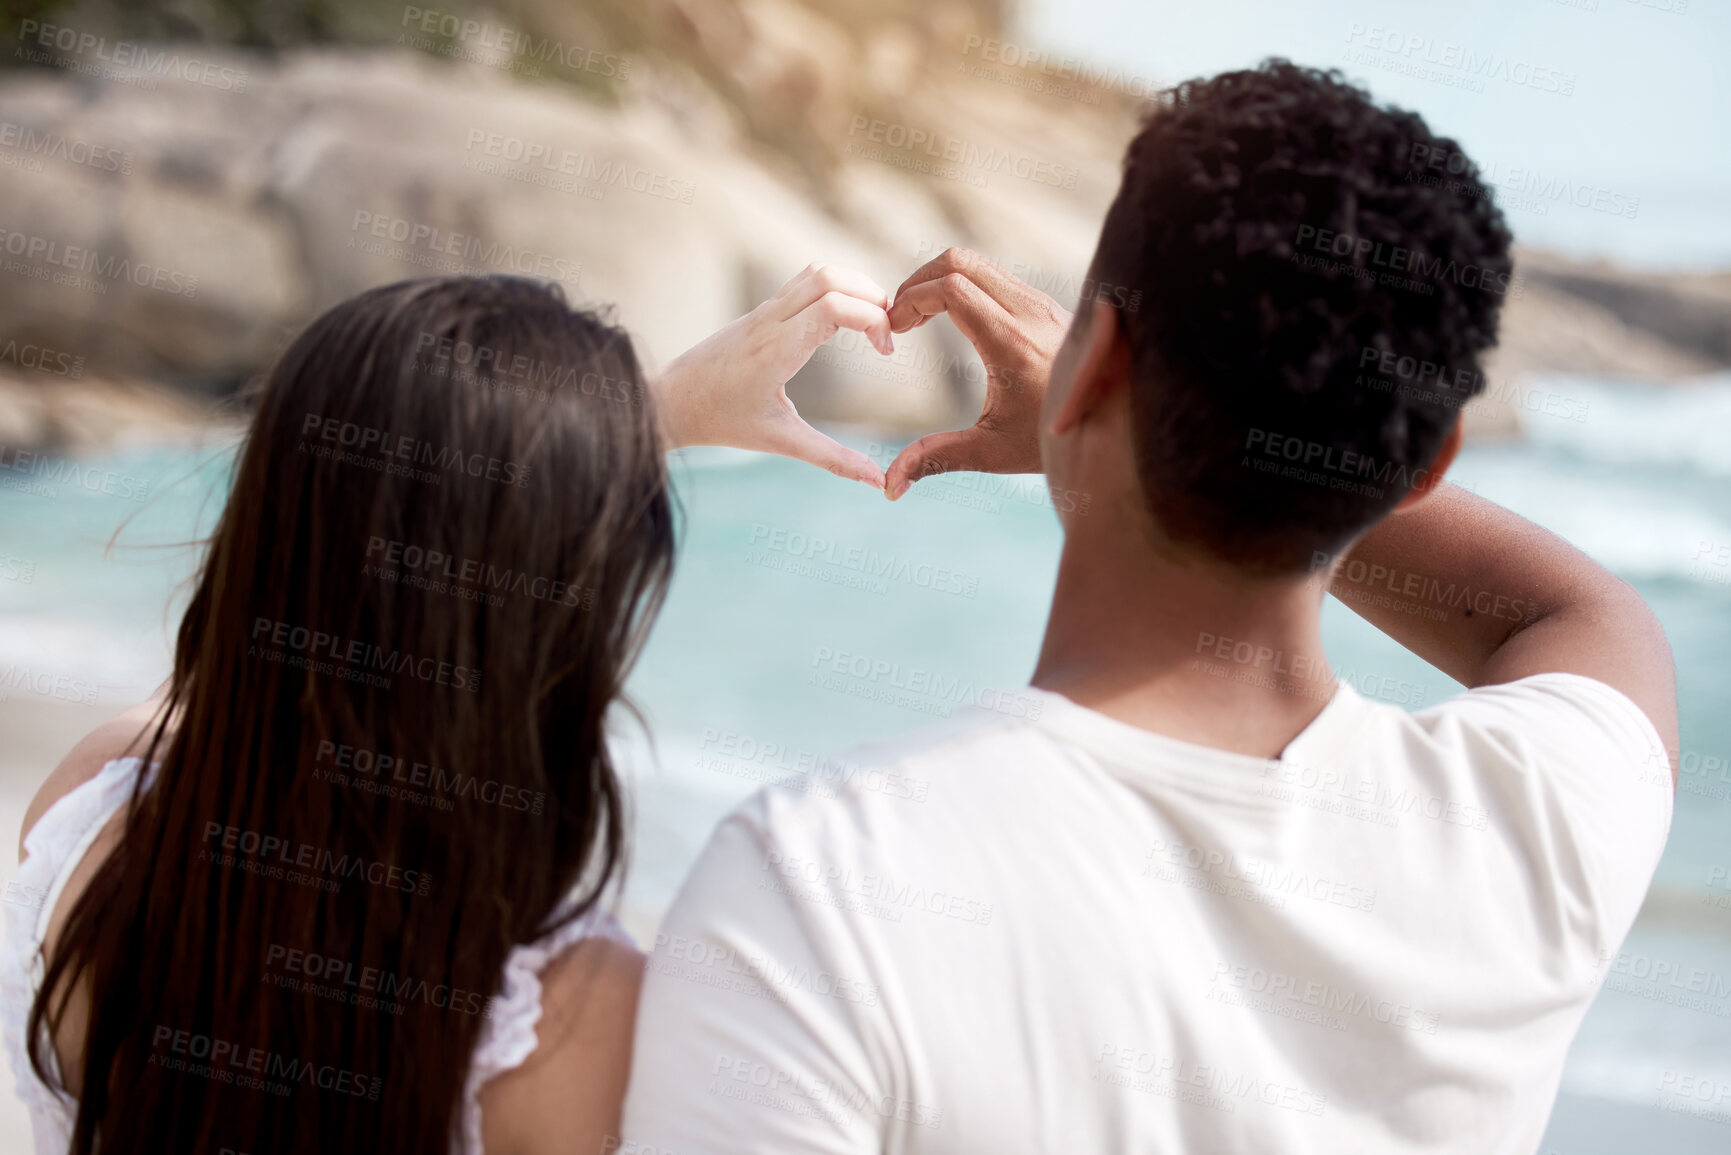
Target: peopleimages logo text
383	443
57	146
252	1068
375	988
58	254
1346	462
87	46
42	359
357	655
50	470
1364	252
233	842
423	239
514	42
376	768
965	154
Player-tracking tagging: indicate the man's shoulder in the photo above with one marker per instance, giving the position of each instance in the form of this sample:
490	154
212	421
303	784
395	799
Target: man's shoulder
951	747
1553	713
932	776
1557	742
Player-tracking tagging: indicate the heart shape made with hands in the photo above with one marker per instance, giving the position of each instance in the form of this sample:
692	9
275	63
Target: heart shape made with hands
730	388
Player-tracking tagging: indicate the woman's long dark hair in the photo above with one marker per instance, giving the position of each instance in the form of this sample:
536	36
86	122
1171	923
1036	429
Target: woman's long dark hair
382	760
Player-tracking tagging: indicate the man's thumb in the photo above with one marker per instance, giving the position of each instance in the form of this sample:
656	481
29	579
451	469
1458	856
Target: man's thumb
938	453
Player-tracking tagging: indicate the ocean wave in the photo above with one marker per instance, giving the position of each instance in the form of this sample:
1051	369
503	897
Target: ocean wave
1637	528
701	457
80	661
1627	1069
1681	426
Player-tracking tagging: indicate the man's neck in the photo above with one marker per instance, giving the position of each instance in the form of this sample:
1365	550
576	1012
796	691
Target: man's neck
1187	650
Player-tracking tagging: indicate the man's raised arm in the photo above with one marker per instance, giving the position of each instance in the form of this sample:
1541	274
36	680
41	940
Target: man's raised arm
1508	600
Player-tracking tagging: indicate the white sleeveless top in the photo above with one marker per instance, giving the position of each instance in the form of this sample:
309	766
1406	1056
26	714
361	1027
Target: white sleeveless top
57	844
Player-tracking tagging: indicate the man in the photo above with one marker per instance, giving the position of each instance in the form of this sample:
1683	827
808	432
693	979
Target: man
1209	900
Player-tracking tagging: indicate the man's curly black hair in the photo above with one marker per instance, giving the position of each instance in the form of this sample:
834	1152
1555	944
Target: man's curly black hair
1319	276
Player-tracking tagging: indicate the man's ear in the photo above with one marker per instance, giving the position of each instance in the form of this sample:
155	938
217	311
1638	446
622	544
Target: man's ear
1102	366
1433	477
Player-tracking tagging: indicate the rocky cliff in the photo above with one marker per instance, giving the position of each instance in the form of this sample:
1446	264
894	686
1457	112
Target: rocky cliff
175	210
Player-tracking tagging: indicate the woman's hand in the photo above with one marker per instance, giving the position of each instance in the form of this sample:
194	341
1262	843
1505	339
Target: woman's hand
728	388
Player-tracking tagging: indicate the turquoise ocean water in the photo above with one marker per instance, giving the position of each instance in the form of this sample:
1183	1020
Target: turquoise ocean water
739	689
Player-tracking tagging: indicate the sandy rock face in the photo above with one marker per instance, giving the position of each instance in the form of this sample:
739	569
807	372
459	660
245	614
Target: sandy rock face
240	217
181	234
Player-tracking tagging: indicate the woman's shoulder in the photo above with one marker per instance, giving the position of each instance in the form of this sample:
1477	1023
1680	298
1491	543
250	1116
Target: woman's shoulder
125	734
573	1084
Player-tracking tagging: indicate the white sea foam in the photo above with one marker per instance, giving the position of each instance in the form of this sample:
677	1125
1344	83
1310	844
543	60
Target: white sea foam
1687	425
1649	514
1636	1071
57	657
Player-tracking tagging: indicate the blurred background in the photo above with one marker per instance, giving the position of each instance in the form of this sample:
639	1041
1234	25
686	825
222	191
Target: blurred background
184	185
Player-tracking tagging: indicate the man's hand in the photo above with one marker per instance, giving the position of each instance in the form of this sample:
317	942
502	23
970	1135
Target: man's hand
1016	329
729	388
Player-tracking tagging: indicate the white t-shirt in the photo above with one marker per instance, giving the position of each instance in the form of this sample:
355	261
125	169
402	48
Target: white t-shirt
1066	934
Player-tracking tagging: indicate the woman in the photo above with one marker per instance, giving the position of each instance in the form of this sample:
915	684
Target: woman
339	888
